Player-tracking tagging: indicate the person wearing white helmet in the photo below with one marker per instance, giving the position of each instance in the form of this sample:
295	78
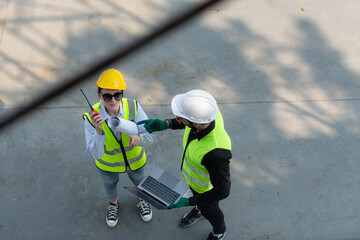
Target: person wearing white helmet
116	152
205	159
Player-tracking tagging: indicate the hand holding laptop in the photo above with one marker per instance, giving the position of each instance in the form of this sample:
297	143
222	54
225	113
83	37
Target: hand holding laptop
183	202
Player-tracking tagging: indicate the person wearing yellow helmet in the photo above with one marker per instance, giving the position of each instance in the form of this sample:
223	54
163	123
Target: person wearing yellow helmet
114	151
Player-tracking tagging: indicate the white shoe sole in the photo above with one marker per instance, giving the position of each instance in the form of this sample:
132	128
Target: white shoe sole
146	219
111	224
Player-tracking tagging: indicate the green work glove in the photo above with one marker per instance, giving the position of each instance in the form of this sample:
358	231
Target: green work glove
153	125
183	202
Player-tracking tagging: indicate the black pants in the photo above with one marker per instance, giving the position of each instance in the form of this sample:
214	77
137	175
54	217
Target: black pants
213	214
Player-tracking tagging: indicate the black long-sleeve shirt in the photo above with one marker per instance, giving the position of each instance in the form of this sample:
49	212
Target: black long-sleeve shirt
216	162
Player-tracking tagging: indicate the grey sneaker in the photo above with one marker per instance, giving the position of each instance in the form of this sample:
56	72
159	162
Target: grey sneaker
145	210
112	215
191	218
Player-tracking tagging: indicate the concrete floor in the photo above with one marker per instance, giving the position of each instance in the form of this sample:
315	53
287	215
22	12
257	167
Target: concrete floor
285	74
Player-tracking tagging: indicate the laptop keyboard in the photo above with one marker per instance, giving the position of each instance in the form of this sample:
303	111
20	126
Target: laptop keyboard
160	190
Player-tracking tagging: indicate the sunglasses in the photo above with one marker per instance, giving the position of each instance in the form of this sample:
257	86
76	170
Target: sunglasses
107	96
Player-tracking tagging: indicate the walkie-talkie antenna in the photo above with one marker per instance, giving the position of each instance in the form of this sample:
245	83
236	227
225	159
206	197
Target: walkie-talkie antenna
92	109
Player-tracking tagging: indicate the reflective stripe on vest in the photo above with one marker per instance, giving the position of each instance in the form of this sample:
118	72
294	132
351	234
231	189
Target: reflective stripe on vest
193	171
122	164
206	184
113	158
116	151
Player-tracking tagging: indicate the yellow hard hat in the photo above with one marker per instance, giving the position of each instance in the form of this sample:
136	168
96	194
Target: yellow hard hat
111	79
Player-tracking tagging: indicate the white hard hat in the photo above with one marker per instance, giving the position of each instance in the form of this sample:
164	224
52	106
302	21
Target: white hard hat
197	106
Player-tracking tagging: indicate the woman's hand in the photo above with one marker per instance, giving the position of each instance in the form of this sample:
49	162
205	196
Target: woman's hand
134	140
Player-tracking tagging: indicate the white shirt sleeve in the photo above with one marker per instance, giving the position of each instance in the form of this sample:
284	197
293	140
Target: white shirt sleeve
146	137
95	143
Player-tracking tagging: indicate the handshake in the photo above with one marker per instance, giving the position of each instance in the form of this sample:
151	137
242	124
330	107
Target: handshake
153	125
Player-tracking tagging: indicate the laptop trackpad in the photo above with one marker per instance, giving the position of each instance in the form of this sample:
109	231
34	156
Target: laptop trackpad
169	179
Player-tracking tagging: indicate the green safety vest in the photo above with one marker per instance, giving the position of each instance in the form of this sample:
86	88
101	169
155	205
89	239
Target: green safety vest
116	155
194	172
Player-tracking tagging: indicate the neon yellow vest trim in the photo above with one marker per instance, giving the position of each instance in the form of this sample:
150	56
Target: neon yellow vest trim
113	159
194	172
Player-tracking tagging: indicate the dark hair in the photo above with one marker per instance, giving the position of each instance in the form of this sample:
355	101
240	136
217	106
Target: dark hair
99	92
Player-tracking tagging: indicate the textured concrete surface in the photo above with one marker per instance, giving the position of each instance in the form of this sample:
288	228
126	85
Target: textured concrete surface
285	74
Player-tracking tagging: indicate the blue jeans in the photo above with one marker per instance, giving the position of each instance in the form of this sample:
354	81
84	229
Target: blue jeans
111	179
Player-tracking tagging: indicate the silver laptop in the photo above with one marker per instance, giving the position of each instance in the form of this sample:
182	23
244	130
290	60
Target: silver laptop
160	188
